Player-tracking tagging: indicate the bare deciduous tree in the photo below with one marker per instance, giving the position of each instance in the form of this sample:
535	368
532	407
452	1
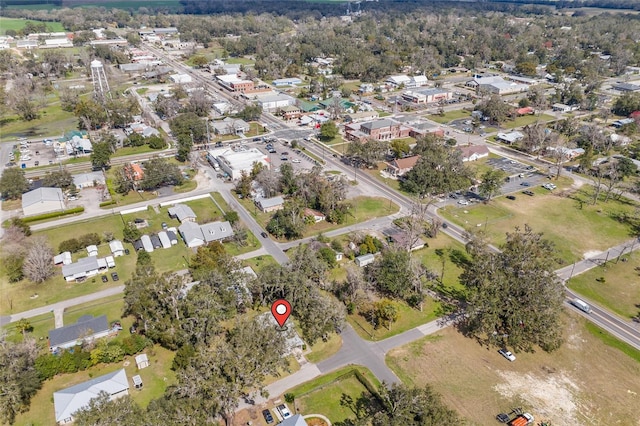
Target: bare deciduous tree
38	265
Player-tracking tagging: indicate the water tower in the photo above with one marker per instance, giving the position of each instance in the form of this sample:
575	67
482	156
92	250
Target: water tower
99	78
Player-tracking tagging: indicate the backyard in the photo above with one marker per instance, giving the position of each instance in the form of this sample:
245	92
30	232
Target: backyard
568	386
575	226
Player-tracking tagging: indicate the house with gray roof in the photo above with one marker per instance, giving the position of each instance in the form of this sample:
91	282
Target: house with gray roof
83	268
88	180
87	327
296	420
182	212
164	239
191	234
70	400
117	249
216	231
62	258
270	204
42	200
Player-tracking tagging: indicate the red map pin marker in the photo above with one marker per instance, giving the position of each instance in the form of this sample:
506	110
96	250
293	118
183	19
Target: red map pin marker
281	309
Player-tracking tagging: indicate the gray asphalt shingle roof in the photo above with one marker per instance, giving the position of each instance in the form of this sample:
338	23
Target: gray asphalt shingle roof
85	324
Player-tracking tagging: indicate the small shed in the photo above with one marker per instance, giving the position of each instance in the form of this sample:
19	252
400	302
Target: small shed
111	263
364	260
92	250
146	243
155	241
142	361
137	381
164	239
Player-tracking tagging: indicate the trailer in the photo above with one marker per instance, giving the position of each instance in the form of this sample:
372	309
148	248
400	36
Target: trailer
580	304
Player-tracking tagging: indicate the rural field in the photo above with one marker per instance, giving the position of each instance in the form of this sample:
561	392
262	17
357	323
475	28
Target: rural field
566	387
567	218
18	24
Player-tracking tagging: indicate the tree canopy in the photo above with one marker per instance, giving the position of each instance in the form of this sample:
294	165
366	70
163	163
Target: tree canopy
514	297
13	183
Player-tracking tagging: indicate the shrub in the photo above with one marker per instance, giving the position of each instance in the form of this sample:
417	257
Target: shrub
52	215
72	245
89	239
107	203
289	398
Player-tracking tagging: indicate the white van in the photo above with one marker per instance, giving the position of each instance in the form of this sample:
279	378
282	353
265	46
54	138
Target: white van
581	305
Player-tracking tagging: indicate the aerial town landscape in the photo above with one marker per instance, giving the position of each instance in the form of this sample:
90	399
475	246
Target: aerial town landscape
316	213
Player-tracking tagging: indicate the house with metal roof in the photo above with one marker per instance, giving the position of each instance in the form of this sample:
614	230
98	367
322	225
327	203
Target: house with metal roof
171	234
146	243
191	234
155	241
296	420
216	231
182	212
83	268
87	327
164	239
70	400
270	204
63	258
42	200
510	138
117	249
365	259
89	179
92	250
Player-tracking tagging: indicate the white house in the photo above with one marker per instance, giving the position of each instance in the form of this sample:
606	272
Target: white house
182	212
473	152
89	179
117	249
510	138
68	401
42	200
63	258
83	268
191	234
364	260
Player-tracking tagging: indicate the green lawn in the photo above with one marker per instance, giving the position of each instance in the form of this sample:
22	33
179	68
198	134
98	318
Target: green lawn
131	150
443	257
323	350
612	341
259	262
41	326
526	119
241	61
112	307
408	319
323	395
575	226
449	116
620	292
18	24
52	121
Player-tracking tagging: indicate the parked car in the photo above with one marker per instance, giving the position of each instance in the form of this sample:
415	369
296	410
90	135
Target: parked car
463	202
267	416
284	411
529	193
525	184
104	278
295	160
511	197
114	276
257	139
283	158
507	354
164	225
264	234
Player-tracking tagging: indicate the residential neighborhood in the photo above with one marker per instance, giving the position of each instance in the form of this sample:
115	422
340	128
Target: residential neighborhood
433	195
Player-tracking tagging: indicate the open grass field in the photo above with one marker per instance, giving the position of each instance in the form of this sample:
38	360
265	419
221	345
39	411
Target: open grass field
41	326
112	307
53	121
323	394
449	116
155	379
527	119
585	382
620	291
259	262
18	24
408	319
575	226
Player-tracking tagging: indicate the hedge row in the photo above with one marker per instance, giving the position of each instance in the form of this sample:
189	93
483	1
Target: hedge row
107	203
53	214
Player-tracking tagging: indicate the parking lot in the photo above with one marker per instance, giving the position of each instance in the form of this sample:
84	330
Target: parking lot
34	153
